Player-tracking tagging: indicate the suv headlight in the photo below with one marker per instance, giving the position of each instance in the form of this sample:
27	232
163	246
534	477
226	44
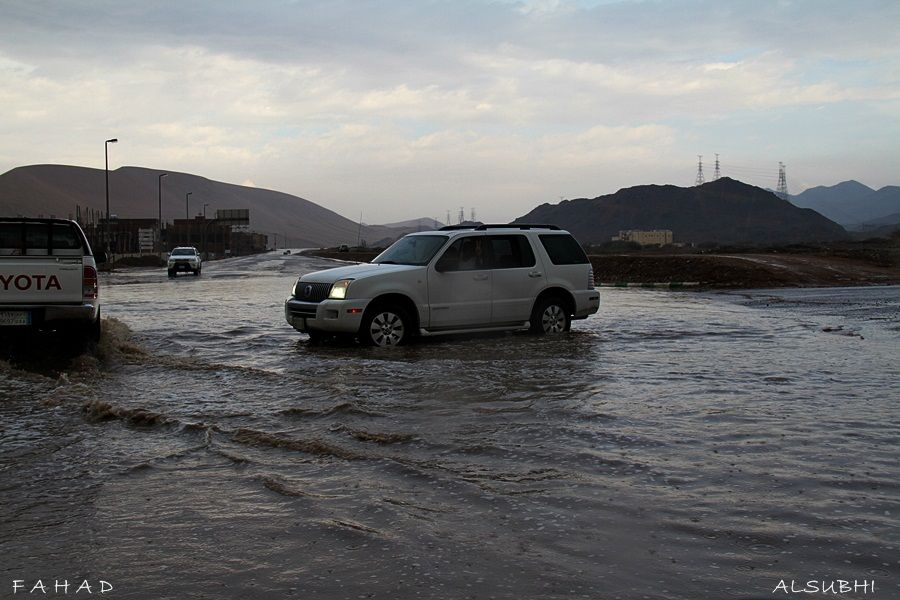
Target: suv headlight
339	289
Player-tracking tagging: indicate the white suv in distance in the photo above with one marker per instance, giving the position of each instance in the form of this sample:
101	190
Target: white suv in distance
454	280
184	258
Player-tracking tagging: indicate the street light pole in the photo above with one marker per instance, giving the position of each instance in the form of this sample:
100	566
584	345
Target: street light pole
187	217
205	229
106	169
159	223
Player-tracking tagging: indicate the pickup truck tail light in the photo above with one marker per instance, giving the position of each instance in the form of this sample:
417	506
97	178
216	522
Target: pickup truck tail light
591	277
89	283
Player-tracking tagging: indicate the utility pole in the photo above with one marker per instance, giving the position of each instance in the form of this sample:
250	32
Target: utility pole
106	168
782	183
159	221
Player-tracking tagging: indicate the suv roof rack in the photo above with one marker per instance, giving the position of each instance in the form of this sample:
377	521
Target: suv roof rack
486	226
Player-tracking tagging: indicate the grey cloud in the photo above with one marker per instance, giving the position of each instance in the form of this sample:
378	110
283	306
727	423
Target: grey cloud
422	38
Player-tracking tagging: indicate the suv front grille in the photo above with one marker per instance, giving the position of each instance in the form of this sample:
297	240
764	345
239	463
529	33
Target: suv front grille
312	292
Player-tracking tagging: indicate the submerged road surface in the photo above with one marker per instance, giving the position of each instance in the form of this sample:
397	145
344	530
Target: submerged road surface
676	445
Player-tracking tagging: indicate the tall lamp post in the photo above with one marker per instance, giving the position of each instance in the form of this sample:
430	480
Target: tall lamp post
205	229
106	163
187	216
159	222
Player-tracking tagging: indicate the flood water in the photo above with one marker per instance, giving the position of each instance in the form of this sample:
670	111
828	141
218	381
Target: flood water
675	445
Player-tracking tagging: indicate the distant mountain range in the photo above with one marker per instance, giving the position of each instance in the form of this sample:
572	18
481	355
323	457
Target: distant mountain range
58	190
852	204
724	211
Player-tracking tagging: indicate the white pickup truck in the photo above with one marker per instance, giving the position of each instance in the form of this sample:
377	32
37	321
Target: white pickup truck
48	278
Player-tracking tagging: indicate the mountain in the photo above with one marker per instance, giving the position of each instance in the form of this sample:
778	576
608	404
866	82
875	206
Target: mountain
60	190
723	211
881	204
421	224
881	227
850	203
892	219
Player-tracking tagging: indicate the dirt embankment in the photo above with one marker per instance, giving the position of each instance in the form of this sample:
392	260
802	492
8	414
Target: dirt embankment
741	270
720	270
352	256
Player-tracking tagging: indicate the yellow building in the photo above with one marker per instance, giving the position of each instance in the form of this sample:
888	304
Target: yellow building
655	237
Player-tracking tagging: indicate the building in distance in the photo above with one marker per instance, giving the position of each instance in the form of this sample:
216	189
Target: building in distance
654	237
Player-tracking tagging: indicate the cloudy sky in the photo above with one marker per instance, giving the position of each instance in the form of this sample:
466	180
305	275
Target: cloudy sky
407	109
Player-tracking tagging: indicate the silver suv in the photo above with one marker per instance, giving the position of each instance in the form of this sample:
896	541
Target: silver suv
454	280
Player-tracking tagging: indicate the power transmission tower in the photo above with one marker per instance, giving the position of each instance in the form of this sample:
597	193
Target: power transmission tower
472	215
448	216
718	173
462	215
782	183
699	180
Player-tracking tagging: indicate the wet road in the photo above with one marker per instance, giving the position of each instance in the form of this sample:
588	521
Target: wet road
676	445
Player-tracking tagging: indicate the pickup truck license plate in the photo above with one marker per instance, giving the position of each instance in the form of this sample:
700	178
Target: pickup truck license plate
14	317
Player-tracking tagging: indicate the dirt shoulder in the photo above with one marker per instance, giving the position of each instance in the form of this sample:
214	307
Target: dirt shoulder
353	256
719	270
741	270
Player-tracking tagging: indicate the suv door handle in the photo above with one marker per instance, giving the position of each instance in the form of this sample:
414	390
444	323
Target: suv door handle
480	277
535	274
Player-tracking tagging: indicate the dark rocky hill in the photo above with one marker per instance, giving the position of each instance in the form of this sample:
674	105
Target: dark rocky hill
724	211
58	190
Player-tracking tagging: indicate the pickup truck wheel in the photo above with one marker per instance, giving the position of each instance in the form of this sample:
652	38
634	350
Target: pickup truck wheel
385	326
550	316
171	273
94	330
78	338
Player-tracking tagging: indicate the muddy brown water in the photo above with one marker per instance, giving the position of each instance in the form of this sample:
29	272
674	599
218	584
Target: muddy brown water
676	445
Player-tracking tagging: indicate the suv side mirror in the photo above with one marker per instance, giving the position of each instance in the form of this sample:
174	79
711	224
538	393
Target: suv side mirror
446	263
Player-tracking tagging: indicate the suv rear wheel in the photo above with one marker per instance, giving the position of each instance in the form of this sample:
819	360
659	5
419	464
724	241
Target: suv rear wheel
550	315
385	326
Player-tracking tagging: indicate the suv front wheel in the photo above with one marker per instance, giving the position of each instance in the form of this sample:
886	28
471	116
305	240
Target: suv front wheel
385	326
550	315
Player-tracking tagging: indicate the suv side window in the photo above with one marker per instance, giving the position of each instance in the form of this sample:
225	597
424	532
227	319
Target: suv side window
563	250
465	254
510	252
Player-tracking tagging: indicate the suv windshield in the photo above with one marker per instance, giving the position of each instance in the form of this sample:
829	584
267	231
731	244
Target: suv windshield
183	252
412	250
